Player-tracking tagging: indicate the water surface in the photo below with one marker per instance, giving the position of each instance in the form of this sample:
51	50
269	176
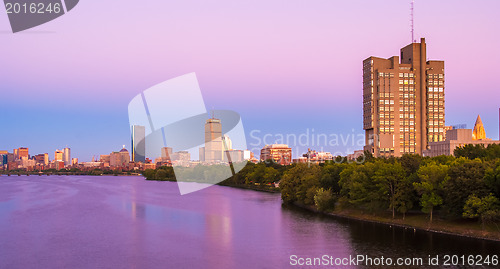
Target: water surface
128	222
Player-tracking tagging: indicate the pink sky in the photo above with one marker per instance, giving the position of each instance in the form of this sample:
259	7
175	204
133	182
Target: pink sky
302	57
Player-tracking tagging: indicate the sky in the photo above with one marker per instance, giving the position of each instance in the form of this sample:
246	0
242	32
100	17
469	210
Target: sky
288	67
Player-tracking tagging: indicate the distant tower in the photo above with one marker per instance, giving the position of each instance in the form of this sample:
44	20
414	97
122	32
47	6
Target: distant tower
213	140
478	132
58	155
67	156
138	143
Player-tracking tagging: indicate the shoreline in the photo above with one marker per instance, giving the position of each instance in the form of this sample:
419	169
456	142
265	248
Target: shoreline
370	219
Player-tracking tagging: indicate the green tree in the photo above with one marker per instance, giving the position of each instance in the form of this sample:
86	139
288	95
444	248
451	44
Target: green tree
270	175
470	151
410	163
486	208
299	184
465	177
331	176
492	178
324	200
431	177
358	188
389	178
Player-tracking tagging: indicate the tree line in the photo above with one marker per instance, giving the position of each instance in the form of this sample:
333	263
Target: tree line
465	186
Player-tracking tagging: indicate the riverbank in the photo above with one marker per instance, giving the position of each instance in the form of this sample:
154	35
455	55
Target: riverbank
465	228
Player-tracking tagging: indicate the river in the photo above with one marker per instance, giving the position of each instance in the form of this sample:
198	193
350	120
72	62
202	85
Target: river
128	222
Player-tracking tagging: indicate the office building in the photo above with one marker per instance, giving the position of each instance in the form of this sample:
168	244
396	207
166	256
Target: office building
119	158
42	159
403	102
21	152
279	153
58	155
213	141
138	143
183	156
166	154
67	156
3	160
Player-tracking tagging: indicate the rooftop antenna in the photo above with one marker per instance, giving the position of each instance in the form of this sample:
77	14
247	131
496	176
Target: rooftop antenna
412	22
213	113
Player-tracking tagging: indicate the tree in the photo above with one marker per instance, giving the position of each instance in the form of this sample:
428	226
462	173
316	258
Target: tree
389	178
404	196
324	200
410	163
431	177
492	179
331	176
486	208
270	175
299	184
358	188
470	151
465	177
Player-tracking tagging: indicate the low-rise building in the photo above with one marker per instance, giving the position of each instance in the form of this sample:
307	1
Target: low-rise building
455	138
279	153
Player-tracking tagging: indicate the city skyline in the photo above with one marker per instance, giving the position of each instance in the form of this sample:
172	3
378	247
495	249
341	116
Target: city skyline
311	72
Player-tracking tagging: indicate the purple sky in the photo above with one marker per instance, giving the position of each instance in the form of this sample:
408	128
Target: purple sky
286	66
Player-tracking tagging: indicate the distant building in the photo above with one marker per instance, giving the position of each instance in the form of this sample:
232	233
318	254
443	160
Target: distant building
119	159
227	144
455	138
58	155
22	152
403	102
166	154
59	165
280	153
67	156
318	156
201	152
355	155
181	156
138	143
42	159
213	141
236	155
3	159
104	158
74	161
478	133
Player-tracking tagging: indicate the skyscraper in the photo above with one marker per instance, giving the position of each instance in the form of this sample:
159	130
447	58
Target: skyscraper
58	155
138	143
21	153
213	141
403	102
67	156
